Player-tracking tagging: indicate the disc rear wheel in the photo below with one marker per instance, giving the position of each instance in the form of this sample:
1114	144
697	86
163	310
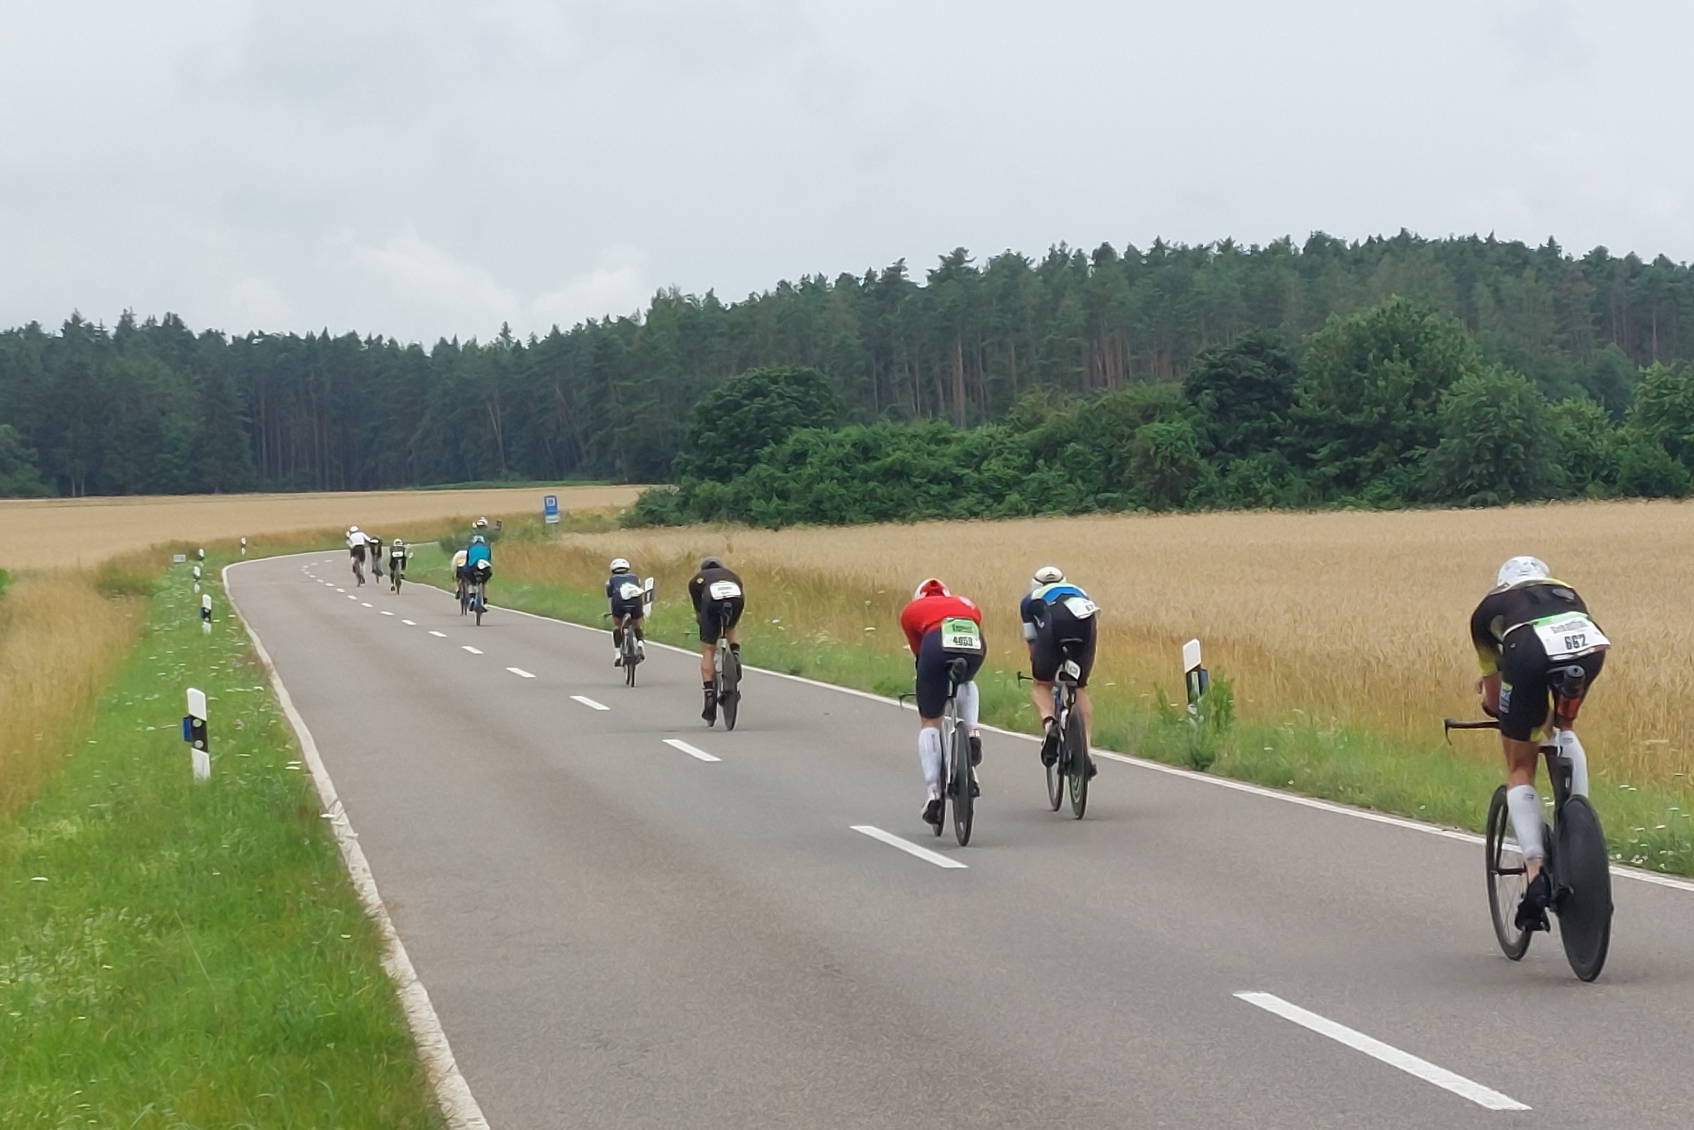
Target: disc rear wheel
1506	878
959	763
1583	890
729	699
1076	762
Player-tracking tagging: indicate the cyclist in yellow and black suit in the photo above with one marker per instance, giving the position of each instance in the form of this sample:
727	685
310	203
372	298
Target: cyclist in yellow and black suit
1538	648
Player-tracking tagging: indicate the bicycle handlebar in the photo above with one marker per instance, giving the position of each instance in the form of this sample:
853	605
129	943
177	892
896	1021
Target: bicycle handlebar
1448	725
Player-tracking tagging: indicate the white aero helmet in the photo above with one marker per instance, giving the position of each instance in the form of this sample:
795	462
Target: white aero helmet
1520	569
1049	575
352	529
480	524
619	565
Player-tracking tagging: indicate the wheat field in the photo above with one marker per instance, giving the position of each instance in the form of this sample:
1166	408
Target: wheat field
57	532
1347	617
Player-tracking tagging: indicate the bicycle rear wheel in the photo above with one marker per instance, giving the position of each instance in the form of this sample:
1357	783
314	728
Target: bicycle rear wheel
628	657
1076	762
1583	888
480	600
729	699
959	765
1506	878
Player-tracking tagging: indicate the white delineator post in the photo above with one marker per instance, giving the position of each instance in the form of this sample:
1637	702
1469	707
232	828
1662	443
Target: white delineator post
194	733
196	580
1199	679
244	547
206	614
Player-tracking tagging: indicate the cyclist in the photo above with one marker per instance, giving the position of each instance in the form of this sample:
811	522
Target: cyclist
629	609
397	560
1053	613
459	573
479	562
710	589
940	627
375	549
357	540
1537	645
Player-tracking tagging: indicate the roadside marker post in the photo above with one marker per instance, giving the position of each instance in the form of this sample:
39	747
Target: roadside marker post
178	558
244	547
1199	679
550	509
206	614
194	733
202	555
196	580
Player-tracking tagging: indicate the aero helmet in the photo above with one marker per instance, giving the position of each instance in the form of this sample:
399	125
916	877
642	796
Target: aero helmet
930	587
1049	575
1520	569
619	565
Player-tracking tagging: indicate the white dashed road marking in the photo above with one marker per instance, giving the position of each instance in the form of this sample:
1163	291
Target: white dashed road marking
440	635
410	623
590	703
691	751
469	648
520	672
907	846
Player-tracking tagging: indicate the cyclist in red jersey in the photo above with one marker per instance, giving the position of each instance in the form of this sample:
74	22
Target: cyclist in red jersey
933	609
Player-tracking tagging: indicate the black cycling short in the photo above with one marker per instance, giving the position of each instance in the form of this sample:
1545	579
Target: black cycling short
628	610
712	620
468	572
358	552
932	672
1528	682
1047	648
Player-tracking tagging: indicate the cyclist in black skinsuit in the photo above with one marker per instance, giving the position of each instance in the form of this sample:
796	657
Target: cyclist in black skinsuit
713	586
1538	649
629	608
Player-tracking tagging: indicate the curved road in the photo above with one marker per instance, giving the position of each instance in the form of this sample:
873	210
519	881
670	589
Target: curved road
625	919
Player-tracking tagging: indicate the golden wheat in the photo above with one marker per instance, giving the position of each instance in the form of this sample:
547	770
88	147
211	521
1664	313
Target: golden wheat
60	639
86	531
1359	618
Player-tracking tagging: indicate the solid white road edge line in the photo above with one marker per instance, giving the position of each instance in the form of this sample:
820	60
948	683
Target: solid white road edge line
520	672
1449	1081
1411	825
907	846
691	751
588	702
451	1091
469	648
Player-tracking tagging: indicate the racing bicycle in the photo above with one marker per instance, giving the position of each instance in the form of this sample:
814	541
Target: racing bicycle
1577	866
959	789
726	669
1071	761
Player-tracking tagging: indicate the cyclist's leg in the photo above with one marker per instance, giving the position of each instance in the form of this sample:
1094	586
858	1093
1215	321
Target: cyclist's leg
932	700
1085	660
1523	709
1564	722
709	632
732	629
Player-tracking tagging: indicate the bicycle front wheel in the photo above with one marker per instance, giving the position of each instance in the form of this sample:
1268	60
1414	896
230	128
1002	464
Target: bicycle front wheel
628	658
481	601
1076	762
1583	888
959	764
1506	878
1056	778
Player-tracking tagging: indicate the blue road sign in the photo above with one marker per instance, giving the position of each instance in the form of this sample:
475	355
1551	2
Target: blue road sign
550	508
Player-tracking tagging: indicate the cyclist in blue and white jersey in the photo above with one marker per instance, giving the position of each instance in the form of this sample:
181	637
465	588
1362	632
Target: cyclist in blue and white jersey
1056	612
629	607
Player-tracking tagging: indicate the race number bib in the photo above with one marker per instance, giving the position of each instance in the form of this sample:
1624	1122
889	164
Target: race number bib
723	590
959	634
1081	607
629	591
1569	636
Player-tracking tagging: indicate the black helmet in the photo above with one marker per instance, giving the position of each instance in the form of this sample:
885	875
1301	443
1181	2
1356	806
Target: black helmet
710	563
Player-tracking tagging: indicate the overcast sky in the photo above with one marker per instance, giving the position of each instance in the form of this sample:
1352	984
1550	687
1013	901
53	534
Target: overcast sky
424	168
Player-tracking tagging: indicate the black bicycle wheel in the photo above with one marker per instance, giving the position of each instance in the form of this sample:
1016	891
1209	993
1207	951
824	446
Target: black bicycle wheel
1583	886
1506	878
479	600
964	805
628	658
729	701
1076	760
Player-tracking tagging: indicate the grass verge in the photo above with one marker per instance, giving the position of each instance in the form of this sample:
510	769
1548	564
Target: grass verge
179	955
803	627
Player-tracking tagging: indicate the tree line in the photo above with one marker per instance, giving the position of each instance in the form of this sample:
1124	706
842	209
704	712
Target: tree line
1393	406
152	406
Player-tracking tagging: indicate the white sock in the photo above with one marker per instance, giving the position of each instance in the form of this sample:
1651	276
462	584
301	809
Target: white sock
970	704
1525	809
929	756
1571	747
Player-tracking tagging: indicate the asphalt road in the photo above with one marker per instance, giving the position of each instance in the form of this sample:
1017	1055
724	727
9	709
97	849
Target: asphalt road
618	933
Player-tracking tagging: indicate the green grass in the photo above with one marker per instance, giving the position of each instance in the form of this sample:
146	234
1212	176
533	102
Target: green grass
5	580
1649	826
180	955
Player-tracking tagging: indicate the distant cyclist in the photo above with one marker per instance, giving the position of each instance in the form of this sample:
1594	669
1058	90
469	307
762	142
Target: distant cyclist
941	627
375	549
629	609
1538	647
459	573
357	544
479	561
710	589
1054	613
397	561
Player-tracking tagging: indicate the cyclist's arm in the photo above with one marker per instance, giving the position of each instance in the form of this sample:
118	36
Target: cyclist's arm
1026	612
696	588
1483	639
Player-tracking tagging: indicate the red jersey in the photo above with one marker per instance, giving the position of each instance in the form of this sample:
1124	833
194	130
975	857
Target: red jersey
925	614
